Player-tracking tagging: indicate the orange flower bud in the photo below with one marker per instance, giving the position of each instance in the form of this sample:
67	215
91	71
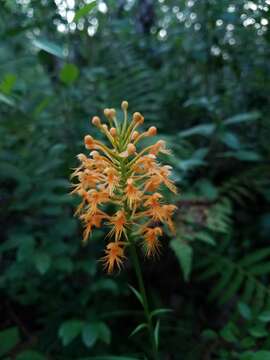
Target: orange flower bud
96	121
113	132
89	142
81	157
124	105
138	118
152	131
134	135
112	113
107	112
131	149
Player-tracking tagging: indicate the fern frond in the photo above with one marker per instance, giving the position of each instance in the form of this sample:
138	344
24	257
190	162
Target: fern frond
242	278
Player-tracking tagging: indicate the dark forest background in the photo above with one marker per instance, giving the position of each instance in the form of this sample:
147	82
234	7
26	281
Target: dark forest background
200	72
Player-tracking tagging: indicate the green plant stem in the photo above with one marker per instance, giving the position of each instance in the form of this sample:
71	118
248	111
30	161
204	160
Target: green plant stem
145	304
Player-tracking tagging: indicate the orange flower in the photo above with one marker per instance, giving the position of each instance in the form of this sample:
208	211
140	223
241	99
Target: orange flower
114	256
119	222
151	242
96	198
133	194
91	221
121	174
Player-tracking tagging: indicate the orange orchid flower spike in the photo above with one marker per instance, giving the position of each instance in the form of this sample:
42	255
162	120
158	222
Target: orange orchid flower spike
117	172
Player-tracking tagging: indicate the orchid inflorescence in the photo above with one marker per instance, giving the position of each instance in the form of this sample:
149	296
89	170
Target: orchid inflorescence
129	179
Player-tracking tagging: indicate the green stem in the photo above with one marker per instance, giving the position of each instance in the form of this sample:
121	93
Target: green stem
138	271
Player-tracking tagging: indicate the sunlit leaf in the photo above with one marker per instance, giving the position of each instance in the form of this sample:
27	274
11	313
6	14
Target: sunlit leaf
69	73
83	11
49	46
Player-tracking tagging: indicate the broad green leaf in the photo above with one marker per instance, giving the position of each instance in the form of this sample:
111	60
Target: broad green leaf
264	316
7	100
69	73
205	130
69	330
42	261
30	355
49	47
104	333
248	342
261	355
231	140
244	310
8	339
240	118
207	189
183	253
83	11
90	334
209	335
138	329
26	247
8	83
258	331
230	333
137	294
243	155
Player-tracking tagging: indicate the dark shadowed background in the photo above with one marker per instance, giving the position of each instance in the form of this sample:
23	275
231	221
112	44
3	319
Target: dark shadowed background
199	70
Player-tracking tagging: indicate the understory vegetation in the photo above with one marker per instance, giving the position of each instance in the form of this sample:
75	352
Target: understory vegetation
199	71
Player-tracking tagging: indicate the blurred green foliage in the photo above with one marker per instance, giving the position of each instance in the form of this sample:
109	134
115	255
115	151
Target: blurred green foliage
199	71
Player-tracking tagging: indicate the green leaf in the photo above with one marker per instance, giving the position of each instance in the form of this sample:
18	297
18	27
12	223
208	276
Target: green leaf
104	333
231	140
183	253
261	355
264	316
244	117
7	100
137	294
232	288
8	83
156	333
69	330
49	47
229	333
209	335
244	310
258	331
243	155
42	261
205	130
159	312
84	10
205	237
90	334
26	247
30	355
255	257
8	339
69	73
138	329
